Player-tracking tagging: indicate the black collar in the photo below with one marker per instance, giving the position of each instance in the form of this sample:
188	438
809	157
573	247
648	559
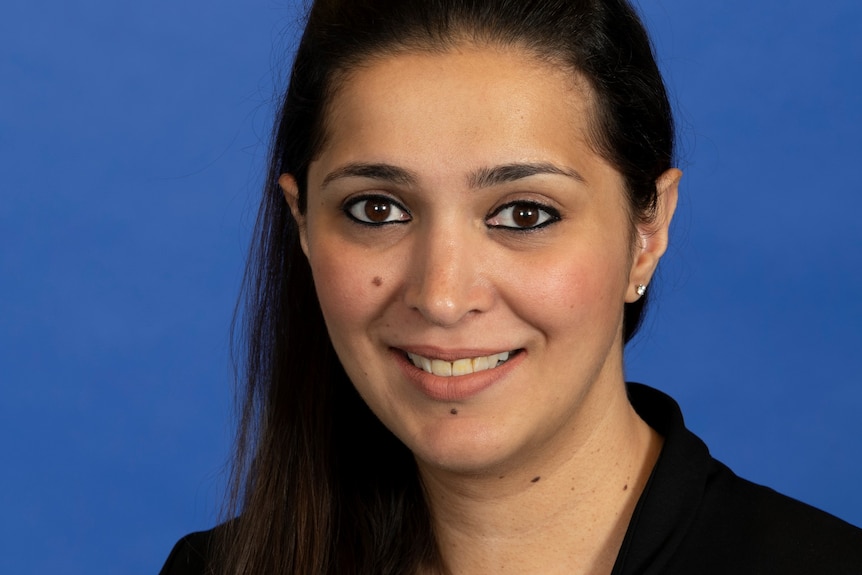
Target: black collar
673	494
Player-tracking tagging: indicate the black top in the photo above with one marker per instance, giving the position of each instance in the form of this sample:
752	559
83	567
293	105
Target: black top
695	517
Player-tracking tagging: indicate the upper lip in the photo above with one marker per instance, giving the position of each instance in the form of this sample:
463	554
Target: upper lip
433	352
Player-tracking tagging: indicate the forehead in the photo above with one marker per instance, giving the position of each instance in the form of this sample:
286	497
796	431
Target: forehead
467	107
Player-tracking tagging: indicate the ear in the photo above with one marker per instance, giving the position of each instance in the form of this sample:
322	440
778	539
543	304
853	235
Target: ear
652	237
291	195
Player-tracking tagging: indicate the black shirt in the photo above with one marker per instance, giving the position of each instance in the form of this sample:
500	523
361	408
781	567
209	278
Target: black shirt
695	517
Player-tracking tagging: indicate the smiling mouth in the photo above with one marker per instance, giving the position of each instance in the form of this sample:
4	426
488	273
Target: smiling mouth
463	366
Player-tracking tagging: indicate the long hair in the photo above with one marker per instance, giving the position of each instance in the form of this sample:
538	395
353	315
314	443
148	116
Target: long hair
318	485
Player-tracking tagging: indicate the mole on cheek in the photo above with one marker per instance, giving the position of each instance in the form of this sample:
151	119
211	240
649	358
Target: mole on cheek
454	411
378	281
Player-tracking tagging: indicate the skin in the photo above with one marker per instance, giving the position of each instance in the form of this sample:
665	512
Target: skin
539	263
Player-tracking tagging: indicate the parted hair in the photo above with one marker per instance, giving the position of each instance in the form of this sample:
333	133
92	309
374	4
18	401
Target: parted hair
318	484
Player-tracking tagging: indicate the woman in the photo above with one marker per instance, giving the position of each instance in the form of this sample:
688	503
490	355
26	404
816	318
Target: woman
465	205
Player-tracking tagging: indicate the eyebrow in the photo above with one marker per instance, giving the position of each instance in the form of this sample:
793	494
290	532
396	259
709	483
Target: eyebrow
488	177
382	172
481	178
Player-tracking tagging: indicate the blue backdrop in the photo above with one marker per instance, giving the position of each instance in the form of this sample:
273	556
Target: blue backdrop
132	142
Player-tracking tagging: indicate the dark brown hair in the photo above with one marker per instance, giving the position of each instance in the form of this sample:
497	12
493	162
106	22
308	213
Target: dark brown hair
319	486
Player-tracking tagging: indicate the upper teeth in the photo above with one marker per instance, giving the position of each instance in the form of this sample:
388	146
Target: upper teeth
459	366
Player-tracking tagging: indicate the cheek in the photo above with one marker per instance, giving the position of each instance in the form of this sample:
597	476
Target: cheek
567	290
353	290
350	288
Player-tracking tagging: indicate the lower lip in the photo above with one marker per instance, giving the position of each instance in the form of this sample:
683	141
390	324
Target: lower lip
456	387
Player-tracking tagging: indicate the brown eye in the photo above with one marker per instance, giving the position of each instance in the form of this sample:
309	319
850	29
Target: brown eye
523	216
376	211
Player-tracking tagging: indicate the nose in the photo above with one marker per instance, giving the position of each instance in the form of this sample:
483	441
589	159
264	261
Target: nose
447	280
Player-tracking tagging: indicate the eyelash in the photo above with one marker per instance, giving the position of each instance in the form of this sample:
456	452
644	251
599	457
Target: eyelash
546	214
355	204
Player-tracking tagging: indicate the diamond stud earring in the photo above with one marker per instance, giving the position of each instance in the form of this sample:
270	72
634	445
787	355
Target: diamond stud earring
641	289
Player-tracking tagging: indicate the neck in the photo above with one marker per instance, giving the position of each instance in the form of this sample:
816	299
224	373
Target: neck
565	507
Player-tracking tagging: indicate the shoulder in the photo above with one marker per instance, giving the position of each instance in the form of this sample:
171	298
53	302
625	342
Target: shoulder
191	555
742	527
696	516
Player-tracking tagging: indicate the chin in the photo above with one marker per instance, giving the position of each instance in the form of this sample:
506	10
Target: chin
462	448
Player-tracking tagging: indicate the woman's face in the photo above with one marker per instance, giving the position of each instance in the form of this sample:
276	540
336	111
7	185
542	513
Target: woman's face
472	254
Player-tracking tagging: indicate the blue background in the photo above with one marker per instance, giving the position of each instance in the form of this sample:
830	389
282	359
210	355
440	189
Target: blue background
132	143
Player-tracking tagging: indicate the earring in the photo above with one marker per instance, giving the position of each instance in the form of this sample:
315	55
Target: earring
641	289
